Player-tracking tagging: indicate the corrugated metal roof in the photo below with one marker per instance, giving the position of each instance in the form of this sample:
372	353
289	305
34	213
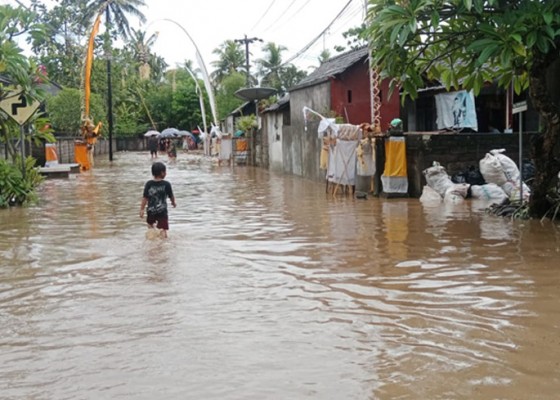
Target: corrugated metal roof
332	67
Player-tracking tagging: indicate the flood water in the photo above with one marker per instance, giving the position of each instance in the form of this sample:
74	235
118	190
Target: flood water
267	288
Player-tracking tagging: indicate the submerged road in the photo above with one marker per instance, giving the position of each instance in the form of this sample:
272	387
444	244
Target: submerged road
269	289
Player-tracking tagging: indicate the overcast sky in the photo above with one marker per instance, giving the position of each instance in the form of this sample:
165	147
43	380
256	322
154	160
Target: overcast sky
291	23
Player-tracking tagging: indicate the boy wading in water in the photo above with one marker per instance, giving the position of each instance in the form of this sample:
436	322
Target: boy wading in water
156	193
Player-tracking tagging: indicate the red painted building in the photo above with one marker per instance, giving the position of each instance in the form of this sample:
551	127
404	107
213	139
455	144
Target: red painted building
342	85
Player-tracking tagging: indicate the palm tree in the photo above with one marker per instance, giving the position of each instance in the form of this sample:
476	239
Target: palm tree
119	9
141	46
230	59
270	68
291	76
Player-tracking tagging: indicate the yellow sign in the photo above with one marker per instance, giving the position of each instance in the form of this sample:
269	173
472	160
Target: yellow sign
18	107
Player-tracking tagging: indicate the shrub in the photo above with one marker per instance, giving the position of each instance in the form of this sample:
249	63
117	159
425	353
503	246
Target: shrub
15	189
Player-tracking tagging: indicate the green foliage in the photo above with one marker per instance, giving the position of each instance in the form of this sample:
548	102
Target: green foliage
246	123
226	101
355	38
274	72
15	188
175	103
58	37
270	67
291	76
128	120
231	59
466	44
118	12
461	43
13	64
65	112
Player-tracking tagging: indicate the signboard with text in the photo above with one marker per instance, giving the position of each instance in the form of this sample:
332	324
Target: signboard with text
519	107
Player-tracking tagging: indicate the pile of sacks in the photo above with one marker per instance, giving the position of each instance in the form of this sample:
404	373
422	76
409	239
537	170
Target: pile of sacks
499	171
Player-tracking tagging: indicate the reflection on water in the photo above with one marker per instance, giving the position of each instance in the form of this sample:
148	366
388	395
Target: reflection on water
269	289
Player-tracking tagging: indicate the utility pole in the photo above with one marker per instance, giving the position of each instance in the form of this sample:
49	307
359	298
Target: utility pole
108	54
247	41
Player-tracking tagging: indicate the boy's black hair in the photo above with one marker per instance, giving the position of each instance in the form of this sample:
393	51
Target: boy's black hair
158	168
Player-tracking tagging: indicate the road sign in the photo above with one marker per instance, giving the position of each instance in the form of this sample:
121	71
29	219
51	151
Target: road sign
15	104
519	107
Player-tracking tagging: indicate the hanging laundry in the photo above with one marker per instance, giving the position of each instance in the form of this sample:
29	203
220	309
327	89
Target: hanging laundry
456	110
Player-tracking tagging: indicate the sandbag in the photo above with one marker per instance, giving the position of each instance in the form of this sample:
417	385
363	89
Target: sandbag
492	170
437	178
511	188
490	192
429	195
456	193
508	165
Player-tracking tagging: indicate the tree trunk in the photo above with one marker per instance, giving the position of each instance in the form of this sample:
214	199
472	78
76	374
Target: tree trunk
546	165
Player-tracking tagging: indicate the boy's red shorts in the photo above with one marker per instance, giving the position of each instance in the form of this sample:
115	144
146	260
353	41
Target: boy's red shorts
162	221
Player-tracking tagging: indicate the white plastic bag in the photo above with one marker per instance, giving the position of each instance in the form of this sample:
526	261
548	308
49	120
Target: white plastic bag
508	165
489	192
492	170
437	178
456	193
429	195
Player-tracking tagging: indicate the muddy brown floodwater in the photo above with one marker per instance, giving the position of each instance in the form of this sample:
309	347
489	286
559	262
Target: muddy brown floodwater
268	289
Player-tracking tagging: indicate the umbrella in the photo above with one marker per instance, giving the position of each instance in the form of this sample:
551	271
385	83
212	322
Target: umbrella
185	133
151	133
169	133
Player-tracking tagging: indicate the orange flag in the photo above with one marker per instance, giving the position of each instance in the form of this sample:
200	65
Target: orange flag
89	62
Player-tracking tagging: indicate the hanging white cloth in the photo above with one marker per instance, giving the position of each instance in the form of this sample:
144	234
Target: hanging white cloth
342	162
456	110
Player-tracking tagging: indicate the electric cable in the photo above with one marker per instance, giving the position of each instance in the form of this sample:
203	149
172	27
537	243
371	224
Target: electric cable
264	15
306	47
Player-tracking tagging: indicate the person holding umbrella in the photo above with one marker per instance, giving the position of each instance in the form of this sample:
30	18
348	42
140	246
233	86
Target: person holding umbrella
152	142
153	146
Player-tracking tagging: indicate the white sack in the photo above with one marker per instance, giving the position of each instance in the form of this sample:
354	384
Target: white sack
429	195
512	190
508	165
492	170
437	178
490	192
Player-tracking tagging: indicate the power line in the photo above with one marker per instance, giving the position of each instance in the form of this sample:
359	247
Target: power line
299	9
306	47
262	16
344	23
281	15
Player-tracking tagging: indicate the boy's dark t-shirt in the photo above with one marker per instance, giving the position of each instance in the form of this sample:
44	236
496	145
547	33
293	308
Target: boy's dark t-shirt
157	193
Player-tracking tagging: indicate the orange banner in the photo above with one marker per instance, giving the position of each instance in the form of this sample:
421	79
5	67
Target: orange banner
88	64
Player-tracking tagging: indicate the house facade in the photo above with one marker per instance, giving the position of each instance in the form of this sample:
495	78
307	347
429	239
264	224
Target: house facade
339	88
